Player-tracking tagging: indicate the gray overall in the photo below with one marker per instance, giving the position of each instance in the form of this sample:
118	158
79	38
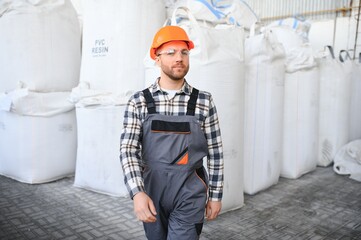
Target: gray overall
174	178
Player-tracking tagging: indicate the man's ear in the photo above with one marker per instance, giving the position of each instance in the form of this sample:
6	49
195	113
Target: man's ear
157	61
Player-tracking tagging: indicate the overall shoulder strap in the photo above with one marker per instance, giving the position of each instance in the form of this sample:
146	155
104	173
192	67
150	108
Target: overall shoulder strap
150	101
191	107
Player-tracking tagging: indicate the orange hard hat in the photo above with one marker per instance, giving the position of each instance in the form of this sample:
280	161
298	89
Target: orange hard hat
167	34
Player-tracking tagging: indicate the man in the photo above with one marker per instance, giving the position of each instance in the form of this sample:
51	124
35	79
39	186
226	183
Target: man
168	129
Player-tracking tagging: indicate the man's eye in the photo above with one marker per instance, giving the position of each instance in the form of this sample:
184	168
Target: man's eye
170	52
185	52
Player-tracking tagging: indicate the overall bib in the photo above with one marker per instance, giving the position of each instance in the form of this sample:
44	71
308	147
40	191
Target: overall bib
174	177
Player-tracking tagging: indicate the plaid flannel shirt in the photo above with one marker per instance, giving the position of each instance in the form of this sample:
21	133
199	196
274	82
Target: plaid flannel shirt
135	113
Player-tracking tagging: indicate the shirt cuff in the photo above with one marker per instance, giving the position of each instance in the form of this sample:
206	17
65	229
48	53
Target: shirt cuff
135	191
135	186
215	195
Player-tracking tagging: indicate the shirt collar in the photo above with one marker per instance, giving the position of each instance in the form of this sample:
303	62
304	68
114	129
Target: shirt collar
186	88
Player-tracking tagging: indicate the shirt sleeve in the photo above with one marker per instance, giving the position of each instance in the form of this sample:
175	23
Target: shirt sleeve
130	150
215	153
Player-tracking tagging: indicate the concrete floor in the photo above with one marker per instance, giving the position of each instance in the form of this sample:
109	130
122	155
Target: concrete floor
318	205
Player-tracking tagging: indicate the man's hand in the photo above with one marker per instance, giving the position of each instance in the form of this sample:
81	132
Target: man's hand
144	208
212	209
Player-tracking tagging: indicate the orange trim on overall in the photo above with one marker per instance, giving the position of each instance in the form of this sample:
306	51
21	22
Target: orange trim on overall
184	160
205	185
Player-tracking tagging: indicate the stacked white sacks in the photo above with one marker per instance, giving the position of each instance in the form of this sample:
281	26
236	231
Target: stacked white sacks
40	55
300	133
263	126
334	108
99	118
300	116
116	36
340	86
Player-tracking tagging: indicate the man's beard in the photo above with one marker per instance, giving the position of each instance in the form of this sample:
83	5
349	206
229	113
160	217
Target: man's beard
176	75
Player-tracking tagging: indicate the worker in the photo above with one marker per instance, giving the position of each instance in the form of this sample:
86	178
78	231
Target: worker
168	129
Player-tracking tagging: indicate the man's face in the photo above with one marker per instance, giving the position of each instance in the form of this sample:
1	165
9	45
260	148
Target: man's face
173	59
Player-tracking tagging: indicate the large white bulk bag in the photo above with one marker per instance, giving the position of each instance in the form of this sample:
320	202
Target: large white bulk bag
222	74
300	133
217	66
288	36
98	166
263	113
37	136
335	78
39	45
355	104
348	160
37	149
116	36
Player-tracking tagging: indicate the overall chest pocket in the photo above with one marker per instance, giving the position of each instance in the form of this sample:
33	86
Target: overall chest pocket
174	140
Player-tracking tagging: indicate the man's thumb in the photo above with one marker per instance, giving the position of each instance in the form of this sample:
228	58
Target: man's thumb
152	208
